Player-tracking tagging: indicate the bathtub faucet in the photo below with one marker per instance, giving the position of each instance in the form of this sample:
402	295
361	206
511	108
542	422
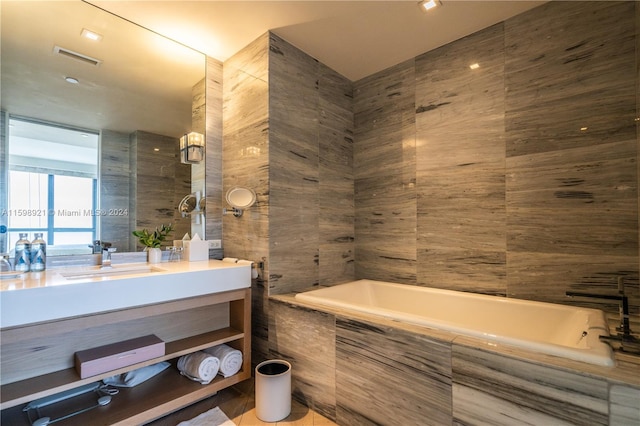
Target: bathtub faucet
625	338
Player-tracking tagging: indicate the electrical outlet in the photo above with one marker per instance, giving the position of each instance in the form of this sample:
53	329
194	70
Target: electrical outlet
215	244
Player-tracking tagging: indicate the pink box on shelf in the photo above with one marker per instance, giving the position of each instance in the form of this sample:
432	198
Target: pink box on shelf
101	359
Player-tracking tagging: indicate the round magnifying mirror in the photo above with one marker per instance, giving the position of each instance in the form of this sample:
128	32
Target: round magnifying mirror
187	205
241	198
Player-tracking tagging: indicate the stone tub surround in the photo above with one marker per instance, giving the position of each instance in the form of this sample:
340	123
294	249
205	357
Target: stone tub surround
51	296
358	369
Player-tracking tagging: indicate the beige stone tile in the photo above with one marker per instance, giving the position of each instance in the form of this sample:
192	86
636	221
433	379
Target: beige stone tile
234	408
249	418
320	420
297	407
299	417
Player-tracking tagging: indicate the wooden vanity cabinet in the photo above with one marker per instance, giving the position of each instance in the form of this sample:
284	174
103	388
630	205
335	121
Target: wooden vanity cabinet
37	359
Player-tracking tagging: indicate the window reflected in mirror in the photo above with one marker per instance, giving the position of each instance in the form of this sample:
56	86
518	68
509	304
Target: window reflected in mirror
52	185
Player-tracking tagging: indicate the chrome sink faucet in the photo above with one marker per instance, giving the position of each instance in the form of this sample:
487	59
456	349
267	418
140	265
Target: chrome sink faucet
98	246
106	257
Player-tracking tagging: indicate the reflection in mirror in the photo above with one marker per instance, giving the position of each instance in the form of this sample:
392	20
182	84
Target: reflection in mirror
52	184
193	205
124	100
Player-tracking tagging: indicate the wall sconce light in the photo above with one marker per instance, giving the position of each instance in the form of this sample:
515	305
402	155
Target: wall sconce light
239	199
192	148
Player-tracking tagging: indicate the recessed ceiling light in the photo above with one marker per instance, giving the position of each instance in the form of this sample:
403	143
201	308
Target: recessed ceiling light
156	149
474	66
429	4
584	129
91	35
71	80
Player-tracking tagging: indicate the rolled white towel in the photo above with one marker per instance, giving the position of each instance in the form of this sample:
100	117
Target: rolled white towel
199	366
254	271
230	359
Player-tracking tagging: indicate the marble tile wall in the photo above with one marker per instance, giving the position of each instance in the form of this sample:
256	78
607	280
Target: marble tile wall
336	184
460	165
571	193
198	171
245	154
149	183
159	184
307	339
623	406
115	179
385	375
495	188
245	149
293	168
492	389
288	135
310	172
384	160
213	152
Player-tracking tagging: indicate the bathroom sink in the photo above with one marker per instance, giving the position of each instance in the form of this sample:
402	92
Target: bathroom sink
98	272
54	294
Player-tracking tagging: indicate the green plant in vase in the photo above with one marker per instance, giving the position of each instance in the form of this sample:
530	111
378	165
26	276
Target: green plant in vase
153	240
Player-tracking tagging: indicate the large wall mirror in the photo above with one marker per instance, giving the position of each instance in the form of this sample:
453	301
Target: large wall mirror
93	107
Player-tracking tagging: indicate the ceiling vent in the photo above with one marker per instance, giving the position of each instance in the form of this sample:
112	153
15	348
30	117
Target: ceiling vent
77	56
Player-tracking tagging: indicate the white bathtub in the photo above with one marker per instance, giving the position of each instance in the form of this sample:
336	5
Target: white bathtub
553	329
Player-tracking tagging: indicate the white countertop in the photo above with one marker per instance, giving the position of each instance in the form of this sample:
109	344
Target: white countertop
35	297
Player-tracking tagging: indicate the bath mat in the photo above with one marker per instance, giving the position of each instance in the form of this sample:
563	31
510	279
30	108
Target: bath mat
213	417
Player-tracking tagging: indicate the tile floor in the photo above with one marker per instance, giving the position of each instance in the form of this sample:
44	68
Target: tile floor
238	403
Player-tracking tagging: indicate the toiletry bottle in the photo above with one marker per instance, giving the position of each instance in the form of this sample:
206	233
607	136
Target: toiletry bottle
38	253
3	238
5	266
22	258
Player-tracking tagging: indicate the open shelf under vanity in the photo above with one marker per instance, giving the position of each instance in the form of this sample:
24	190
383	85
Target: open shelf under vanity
226	314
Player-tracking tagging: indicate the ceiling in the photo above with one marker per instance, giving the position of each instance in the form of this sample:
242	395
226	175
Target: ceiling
354	38
144	81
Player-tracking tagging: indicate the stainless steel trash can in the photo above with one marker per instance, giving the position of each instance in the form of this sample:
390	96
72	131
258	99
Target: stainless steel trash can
273	390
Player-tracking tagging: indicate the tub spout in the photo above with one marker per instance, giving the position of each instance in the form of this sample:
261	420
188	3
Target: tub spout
624	307
624	328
